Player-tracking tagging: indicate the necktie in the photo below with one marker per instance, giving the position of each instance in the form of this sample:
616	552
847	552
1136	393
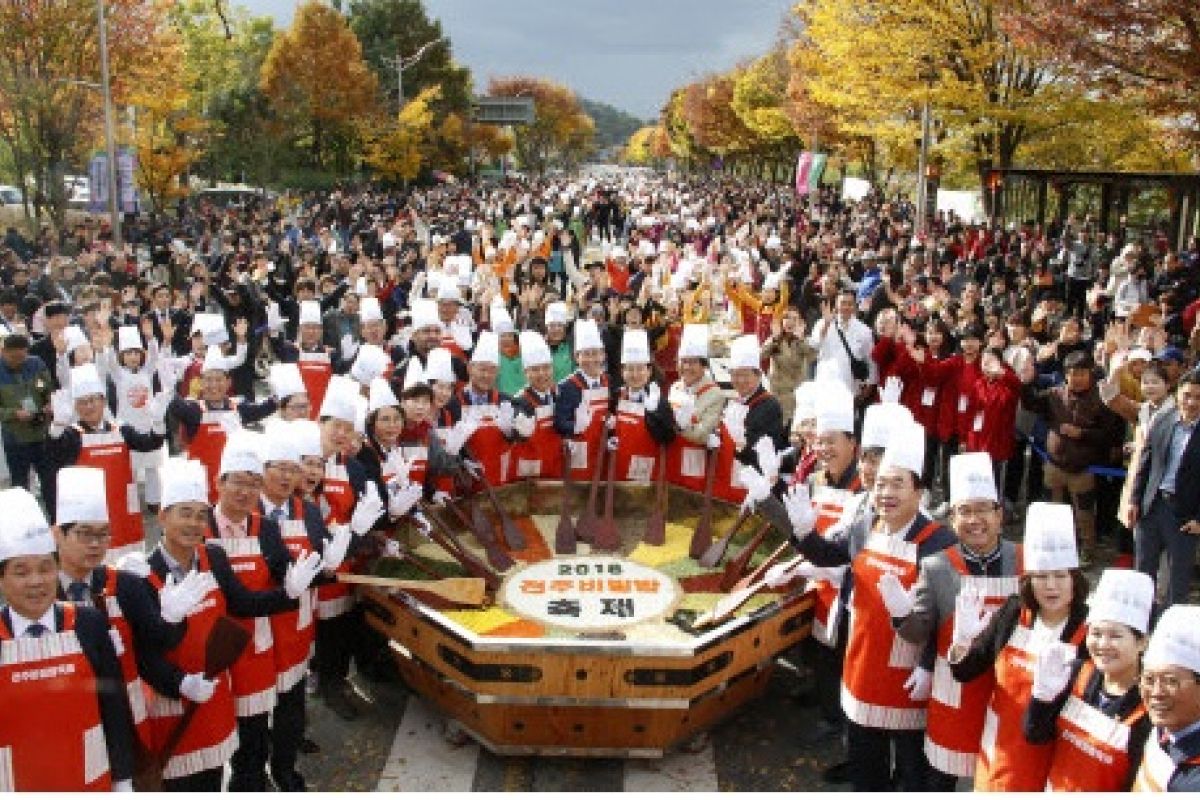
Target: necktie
77	591
36	630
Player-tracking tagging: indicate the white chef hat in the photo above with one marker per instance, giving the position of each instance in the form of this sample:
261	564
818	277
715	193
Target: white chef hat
74	337
773	280
745	352
1176	639
619	252
183	481
369	364
774	242
425	314
243	452
310	312
414	375
834	407
971	478
501	320
646	249
487	349
362	407
587	335
381	395
23	527
1124	596
81	496
694	341
339	398
279	442
214	360
285	380
1050	537
635	347
369	310
534	350
85	382
212	328
448	290
556	312
129	338
879	420
806	402
439	366
306	434
905	448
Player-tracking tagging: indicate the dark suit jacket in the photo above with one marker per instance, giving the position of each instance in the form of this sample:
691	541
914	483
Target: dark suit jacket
1152	467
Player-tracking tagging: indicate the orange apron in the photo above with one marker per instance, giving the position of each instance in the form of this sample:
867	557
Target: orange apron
208	443
637	450
337	503
541	455
585	447
108	451
685	459
1091	753
315	372
293	631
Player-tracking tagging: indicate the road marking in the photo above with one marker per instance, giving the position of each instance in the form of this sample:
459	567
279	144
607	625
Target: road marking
421	760
675	772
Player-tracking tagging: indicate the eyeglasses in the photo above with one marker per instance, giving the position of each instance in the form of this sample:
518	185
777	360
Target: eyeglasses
976	511
1168	683
92	537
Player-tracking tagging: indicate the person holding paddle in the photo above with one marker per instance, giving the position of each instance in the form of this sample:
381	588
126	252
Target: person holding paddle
697	402
644	418
538	450
65	724
582	404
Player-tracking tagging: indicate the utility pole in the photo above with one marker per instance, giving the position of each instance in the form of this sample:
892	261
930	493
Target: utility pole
400	63
928	75
110	134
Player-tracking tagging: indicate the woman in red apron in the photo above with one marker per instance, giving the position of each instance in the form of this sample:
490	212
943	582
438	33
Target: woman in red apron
587	386
644	418
1093	711
538	451
1049	611
696	402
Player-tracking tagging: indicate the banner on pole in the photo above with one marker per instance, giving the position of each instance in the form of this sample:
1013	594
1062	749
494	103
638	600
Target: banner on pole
810	167
98	180
126	162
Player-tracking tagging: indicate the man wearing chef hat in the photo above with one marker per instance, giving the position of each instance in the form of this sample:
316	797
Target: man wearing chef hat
80	435
314	361
1171	690
490	409
982	563
426	337
885	685
65	725
556	321
582	404
753	414
696	402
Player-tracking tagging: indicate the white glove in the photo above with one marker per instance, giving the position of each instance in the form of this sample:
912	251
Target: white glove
779	575
970	618
714	441
300	575
274	318
504	419
403	498
652	399
735	423
398	466
919	682
367	510
768	459
899	601
1108	389
892	387
349	347
1053	671
583	416
231	423
440	498
335	549
456	437
179	598
462	336
524	425
800	510
62	408
134	563
123	786
197	688
684	414
418	284
758	486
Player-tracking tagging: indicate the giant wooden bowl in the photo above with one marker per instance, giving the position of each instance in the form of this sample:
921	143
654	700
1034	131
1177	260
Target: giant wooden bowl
521	685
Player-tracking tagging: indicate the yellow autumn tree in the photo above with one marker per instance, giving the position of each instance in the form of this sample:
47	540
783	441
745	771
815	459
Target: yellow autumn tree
397	149
648	145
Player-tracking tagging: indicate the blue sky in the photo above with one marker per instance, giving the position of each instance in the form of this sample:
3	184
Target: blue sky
629	53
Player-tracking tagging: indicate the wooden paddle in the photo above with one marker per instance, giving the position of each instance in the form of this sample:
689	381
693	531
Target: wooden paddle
762	568
585	526
564	534
513	536
444	538
463	591
607	536
713	555
702	536
730	604
485	534
737	566
656	524
225	644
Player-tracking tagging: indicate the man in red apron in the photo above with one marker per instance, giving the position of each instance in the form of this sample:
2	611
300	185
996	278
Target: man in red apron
426	339
287	387
1170	667
983	563
752	414
456	334
885	686
696	402
94	442
492	410
538	451
314	360
644	417
582	405
65	725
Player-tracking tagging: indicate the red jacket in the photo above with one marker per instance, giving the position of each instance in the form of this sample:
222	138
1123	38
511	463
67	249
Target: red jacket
892	358
993	411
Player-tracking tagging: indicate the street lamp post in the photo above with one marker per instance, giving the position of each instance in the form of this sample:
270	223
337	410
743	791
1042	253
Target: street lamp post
928	75
402	63
110	135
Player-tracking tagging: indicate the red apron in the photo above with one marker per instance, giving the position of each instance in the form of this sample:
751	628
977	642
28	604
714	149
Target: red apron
726	484
337	503
829	503
585	447
51	735
208	443
293	631
956	710
444	483
878	661
487	444
254	672
212	738
685	459
122	636
637	450
315	371
541	455
1091	753
1007	762
108	451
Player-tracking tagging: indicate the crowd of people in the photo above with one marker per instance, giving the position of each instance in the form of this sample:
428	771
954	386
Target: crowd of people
957	426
